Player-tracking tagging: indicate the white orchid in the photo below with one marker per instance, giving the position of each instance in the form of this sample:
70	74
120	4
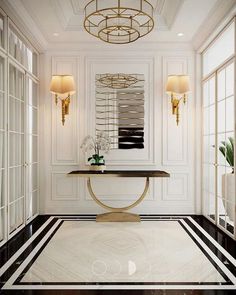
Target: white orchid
102	142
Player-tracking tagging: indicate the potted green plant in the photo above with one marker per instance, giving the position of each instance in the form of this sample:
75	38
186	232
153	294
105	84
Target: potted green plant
228	179
100	143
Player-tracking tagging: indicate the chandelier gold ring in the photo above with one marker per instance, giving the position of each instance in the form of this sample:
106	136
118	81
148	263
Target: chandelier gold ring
118	24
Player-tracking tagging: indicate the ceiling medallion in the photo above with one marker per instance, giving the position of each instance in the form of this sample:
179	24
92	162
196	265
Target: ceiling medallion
118	81
119	21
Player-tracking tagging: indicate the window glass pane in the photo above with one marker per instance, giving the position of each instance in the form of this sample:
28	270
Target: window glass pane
219	51
2	111
1	30
35	202
35	64
2	224
221	212
220	174
12	80
229	114
33	93
16	215
212	119
220	157
221	116
33	170
2	150
16	189
2	88
212	90
230	80
212	179
32	140
212	149
206	130
33	120
230	218
205	94
209	204
221	85
22	51
206	143
2	188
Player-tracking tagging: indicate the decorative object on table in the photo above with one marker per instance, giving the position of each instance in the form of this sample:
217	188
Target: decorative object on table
100	143
177	87
228	179
63	86
119	21
120	109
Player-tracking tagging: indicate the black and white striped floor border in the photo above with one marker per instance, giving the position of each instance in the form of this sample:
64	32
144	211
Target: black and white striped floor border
11	272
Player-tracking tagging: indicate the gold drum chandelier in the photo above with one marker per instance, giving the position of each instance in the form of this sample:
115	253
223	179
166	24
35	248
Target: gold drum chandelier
118	21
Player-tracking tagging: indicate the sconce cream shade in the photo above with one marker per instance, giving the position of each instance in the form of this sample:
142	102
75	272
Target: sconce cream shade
177	87
178	84
62	84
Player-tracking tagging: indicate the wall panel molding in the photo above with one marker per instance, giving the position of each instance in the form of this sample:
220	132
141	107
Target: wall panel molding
65	138
175	138
64	188
135	64
167	147
176	188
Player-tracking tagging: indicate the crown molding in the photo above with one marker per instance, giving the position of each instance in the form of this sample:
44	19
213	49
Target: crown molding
138	46
165	12
170	10
217	18
18	14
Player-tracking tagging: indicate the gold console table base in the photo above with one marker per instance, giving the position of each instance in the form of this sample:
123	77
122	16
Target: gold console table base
118	214
118	217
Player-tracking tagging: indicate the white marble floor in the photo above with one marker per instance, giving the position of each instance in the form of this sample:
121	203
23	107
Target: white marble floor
148	252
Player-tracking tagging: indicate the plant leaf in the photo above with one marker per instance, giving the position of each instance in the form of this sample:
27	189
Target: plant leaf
227	149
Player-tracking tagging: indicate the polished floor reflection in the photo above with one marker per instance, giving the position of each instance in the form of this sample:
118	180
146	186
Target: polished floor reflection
150	251
160	253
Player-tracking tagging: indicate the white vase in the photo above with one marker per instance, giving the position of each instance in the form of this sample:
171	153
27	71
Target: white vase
228	193
97	167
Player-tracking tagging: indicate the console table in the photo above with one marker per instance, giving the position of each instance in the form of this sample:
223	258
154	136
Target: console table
118	214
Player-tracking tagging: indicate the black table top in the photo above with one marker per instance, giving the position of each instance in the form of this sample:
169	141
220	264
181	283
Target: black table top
120	173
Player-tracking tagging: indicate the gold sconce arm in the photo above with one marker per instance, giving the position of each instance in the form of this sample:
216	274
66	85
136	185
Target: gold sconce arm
175	107
65	103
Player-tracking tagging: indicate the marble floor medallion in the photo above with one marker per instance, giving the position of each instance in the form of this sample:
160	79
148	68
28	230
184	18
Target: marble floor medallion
152	254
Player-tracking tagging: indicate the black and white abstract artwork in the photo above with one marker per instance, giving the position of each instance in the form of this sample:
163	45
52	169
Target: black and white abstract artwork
120	109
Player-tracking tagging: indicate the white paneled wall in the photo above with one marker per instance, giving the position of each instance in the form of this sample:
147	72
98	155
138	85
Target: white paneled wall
167	147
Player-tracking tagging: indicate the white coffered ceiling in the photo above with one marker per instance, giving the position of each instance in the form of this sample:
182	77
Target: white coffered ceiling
61	21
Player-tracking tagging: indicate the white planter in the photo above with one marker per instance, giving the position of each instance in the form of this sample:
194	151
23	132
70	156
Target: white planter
228	193
97	167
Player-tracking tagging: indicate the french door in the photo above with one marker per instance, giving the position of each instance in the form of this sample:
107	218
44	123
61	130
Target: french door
219	147
16	147
32	189
3	150
22	148
18	130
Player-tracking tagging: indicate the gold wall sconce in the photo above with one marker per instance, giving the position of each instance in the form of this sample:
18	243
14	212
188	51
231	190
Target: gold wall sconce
63	86
177	87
